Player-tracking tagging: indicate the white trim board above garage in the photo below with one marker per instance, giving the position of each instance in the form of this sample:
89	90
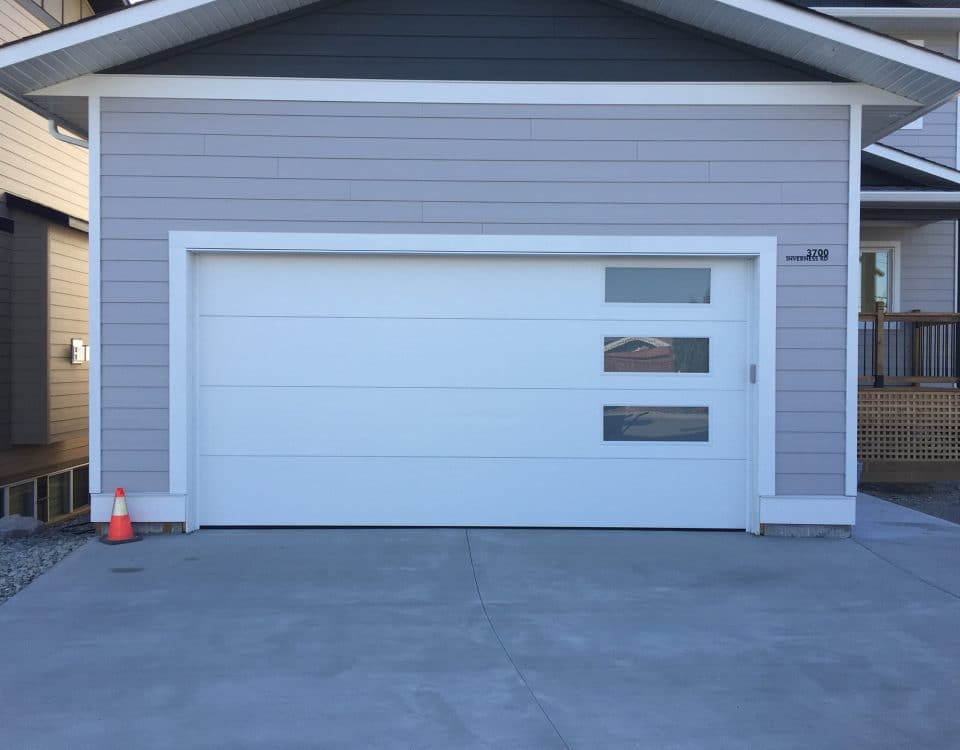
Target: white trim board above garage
922	78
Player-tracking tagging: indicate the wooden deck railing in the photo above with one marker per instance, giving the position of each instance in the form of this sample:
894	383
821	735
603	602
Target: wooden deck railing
909	348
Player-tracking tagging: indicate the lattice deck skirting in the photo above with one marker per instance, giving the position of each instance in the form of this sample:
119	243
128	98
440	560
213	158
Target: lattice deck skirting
915	424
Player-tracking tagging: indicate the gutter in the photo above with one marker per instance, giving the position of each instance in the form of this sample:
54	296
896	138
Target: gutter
54	130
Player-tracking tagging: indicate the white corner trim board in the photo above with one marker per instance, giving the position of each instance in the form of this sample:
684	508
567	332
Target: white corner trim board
470	92
93	243
853	300
143	507
185	246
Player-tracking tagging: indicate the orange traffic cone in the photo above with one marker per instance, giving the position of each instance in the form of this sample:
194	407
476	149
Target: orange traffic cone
120	530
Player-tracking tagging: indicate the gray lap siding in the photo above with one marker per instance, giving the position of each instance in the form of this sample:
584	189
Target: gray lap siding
496	169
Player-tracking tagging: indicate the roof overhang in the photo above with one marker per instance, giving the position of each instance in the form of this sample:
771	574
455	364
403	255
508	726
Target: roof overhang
931	191
904	206
921	80
910	167
45	212
841	48
912	198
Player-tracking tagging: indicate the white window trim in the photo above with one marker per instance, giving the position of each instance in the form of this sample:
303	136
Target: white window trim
874	246
186	246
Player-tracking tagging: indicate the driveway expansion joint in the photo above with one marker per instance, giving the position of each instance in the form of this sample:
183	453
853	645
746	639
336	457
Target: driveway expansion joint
907	571
503	647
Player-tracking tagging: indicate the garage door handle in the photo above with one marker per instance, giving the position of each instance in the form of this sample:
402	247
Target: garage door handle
753	373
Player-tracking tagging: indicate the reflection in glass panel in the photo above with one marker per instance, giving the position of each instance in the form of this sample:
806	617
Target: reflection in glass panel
686	424
58	495
20	499
874	280
663	285
650	354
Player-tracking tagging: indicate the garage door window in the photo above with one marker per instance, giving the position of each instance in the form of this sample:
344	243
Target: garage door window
658	285
656	354
672	424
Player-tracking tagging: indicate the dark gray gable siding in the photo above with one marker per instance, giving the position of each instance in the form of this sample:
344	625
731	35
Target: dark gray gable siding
519	40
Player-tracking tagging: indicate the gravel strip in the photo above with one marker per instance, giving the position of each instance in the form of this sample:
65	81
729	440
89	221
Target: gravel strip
23	558
940	499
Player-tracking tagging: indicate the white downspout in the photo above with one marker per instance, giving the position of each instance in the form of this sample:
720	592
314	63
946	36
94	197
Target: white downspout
72	140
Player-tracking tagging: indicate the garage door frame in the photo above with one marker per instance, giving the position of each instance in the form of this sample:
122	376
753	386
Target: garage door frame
186	246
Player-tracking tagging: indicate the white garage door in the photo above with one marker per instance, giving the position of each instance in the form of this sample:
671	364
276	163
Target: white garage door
350	390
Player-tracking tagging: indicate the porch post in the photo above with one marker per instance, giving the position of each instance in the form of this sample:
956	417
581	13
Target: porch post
879	355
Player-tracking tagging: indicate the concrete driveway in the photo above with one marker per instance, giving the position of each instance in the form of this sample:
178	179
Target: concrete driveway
496	639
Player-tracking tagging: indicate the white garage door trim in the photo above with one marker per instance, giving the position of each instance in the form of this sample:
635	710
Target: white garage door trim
185	246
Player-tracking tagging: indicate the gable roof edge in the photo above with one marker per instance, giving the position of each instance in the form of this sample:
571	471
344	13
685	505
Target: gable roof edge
806	36
914	163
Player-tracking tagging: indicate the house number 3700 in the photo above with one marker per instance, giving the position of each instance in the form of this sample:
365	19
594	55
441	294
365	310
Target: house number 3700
818	253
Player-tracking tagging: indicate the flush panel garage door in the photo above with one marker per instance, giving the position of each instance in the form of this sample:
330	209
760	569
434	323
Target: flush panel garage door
418	390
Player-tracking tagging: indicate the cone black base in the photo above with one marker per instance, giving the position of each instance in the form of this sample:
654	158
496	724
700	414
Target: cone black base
122	541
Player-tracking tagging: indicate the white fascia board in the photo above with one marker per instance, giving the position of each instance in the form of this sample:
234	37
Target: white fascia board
910	196
914	162
94	28
894	14
470	92
821	25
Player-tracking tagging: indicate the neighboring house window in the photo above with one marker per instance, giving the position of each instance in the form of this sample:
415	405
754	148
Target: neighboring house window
878	278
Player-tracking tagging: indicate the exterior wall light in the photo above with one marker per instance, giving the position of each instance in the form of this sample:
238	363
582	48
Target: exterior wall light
79	352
